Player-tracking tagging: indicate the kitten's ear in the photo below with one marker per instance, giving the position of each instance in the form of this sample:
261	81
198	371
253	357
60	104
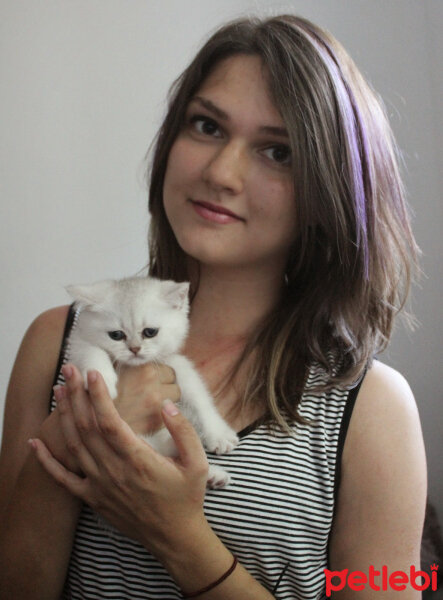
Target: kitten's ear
91	295
176	294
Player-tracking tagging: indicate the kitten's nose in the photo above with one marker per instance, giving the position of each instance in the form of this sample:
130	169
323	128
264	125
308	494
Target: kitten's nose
134	350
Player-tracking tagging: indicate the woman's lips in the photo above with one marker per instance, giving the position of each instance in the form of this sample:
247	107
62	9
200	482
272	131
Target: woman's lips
214	213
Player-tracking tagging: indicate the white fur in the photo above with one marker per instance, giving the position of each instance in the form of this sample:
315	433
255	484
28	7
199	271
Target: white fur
131	305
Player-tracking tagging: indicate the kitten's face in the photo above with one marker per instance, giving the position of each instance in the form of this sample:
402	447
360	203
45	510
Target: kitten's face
135	337
138	320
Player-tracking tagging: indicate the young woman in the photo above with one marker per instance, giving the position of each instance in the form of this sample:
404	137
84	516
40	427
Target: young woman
275	191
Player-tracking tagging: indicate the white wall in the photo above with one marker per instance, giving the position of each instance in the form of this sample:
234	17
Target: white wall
82	91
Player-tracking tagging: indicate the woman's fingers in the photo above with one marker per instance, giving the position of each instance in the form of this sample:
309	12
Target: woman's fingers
151	372
82	413
99	436
172	392
93	425
81	407
157	372
73	483
189	446
117	433
73	441
167	374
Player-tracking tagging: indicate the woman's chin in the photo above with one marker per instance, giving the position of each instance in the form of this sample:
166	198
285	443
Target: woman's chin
211	256
207	247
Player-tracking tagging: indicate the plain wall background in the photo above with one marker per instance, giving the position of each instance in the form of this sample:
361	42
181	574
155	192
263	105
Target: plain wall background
83	85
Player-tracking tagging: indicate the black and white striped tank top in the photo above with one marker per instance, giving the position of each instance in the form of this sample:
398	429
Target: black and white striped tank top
275	516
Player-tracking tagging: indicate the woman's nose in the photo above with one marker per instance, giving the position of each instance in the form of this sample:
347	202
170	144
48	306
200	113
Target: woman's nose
226	168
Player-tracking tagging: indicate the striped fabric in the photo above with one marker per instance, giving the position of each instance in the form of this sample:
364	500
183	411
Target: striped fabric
275	516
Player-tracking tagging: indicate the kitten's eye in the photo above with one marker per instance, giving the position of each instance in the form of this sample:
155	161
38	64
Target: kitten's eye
117	335
149	332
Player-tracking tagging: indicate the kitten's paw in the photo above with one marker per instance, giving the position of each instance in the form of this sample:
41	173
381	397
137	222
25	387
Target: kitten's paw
221	442
111	384
112	389
217	477
85	379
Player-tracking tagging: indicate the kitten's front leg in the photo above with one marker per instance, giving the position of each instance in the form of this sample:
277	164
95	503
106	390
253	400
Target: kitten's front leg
216	434
88	358
217	477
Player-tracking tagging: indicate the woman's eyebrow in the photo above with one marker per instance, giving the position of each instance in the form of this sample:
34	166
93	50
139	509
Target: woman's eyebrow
220	114
278	131
211	107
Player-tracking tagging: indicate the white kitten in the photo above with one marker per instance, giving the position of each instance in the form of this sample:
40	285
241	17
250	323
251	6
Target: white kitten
138	320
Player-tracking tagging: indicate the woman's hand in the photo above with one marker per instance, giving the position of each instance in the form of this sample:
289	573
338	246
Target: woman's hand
155	500
141	393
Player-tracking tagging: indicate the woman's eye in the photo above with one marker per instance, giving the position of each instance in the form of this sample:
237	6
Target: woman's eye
205	125
149	332
280	154
117	335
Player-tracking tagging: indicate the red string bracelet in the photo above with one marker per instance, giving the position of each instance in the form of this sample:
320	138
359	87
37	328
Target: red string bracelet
211	586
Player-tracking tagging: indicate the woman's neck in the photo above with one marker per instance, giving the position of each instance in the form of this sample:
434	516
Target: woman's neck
229	304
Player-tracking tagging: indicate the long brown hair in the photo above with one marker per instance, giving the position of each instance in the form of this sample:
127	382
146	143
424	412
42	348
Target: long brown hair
350	266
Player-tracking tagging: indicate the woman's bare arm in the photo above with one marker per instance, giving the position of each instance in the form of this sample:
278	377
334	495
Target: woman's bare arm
153	499
382	495
37	517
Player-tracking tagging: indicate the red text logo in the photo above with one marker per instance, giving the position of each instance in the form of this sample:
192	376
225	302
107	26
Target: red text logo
380	580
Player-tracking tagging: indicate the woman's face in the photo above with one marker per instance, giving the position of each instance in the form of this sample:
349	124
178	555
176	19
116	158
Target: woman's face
228	190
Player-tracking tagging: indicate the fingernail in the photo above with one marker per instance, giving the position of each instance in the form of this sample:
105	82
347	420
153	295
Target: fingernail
67	371
59	392
92	376
170	408
32	443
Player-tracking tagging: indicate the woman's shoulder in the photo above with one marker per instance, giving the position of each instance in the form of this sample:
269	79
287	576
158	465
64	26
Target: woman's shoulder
381	375
48	324
383	460
41	344
385	405
37	357
384	393
29	389
378	521
384	431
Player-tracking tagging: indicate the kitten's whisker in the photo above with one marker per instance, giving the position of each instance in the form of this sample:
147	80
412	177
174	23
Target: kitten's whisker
156	362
